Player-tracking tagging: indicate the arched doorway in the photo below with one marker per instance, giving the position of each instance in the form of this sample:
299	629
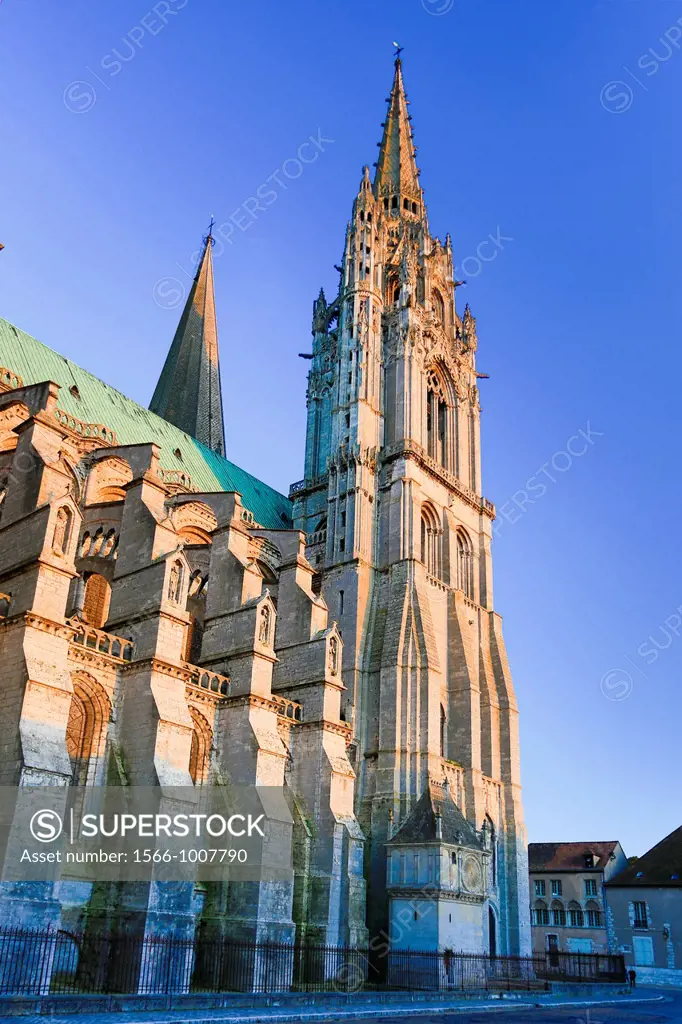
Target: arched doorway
492	932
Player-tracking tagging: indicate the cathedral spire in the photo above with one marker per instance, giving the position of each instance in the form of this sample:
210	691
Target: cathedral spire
188	392
397	177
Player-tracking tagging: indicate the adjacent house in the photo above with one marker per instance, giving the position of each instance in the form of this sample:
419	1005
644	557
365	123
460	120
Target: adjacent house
645	912
568	911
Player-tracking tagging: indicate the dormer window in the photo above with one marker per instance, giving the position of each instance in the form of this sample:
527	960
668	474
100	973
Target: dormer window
73	390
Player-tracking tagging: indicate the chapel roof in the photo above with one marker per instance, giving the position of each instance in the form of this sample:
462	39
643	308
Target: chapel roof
420	826
98	402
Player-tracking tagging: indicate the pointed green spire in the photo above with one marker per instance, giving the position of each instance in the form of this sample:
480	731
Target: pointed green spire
188	392
396	168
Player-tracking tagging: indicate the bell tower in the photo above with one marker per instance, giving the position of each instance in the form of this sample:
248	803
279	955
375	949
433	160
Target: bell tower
400	536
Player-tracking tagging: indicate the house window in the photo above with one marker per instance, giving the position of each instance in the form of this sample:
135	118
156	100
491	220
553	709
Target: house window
575	915
590	887
593	914
539	913
558	914
539	887
557	888
640	915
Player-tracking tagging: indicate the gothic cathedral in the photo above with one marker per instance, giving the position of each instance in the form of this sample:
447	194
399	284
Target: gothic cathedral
167	619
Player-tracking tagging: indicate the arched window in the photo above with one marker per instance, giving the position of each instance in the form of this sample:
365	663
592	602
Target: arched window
393	289
558	913
465	564
575	915
540	914
193	638
437	444
443	731
200	750
62	530
109	545
96	600
593	914
438	305
175	578
430	540
86	729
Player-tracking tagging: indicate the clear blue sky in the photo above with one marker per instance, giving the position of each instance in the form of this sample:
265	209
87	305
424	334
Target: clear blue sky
519	132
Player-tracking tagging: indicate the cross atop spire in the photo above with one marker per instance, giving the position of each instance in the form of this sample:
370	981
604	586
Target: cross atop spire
396	169
188	392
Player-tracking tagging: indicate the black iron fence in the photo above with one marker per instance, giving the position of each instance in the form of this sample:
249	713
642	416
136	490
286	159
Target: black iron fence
58	962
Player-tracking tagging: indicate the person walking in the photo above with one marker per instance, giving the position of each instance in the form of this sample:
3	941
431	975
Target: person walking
632	977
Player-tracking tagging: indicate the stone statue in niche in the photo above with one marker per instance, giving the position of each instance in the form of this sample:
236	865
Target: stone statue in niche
408	277
175	582
264	625
62	530
333	655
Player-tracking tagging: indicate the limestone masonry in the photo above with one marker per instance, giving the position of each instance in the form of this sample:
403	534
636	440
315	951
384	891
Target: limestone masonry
167	619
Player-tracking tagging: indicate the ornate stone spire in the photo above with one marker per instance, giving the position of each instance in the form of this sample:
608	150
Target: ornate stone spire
188	392
396	169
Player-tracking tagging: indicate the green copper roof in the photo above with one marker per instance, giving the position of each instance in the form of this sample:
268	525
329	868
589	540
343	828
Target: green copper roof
100	403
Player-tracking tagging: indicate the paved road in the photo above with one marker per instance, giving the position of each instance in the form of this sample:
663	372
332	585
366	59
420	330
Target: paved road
668	1011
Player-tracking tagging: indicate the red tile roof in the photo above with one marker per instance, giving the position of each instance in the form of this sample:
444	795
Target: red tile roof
568	856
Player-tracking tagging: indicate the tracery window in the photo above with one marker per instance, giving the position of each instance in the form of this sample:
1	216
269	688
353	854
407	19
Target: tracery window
465	564
430	540
438	305
436	419
558	914
86	727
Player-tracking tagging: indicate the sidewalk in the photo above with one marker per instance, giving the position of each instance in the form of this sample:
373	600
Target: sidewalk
285	1008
